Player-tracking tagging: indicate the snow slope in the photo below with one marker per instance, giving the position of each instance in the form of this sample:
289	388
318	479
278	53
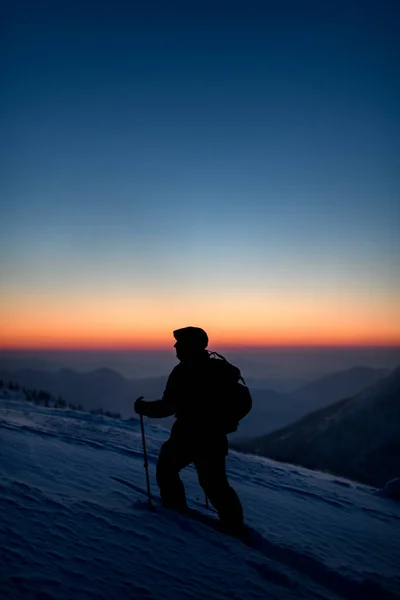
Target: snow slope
69	531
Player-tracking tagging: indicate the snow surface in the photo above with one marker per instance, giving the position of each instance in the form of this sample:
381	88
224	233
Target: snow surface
68	531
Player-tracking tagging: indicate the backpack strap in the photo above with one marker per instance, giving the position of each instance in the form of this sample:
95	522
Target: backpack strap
214	354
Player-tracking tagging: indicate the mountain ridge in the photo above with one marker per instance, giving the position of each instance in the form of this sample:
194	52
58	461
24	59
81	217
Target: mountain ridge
357	437
107	389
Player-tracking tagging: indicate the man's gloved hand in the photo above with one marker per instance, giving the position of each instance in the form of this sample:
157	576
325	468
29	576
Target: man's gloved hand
139	406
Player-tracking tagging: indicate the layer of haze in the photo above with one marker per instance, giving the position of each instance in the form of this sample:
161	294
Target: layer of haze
290	365
231	165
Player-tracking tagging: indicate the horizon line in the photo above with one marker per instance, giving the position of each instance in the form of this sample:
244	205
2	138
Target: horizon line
151	348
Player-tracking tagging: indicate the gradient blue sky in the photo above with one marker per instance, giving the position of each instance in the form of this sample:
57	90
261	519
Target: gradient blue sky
166	157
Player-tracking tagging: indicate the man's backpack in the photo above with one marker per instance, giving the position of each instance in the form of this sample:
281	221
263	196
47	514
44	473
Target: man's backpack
237	397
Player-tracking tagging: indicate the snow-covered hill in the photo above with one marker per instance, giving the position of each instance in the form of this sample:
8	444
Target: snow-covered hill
69	531
358	437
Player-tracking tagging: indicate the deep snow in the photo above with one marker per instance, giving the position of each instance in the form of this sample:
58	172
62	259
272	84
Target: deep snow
68	531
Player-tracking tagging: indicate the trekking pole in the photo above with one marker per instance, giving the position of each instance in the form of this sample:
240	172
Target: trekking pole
146	464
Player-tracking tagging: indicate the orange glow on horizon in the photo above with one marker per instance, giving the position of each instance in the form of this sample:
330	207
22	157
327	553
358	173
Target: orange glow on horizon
69	342
252	320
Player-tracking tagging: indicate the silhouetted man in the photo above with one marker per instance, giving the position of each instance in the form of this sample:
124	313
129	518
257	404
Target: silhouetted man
196	393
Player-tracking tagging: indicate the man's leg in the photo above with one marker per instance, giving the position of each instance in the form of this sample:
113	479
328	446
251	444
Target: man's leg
173	458
213	480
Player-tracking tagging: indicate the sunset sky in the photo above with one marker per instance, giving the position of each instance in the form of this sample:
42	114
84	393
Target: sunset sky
228	165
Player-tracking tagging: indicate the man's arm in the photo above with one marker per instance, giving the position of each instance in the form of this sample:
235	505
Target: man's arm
158	409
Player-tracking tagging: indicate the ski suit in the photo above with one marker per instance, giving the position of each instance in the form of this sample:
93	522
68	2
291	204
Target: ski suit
197	394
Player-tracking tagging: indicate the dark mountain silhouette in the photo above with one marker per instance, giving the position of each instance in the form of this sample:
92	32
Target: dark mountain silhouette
105	388
335	386
272	410
357	437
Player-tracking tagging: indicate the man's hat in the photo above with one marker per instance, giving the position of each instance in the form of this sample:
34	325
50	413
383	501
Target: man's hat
195	336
